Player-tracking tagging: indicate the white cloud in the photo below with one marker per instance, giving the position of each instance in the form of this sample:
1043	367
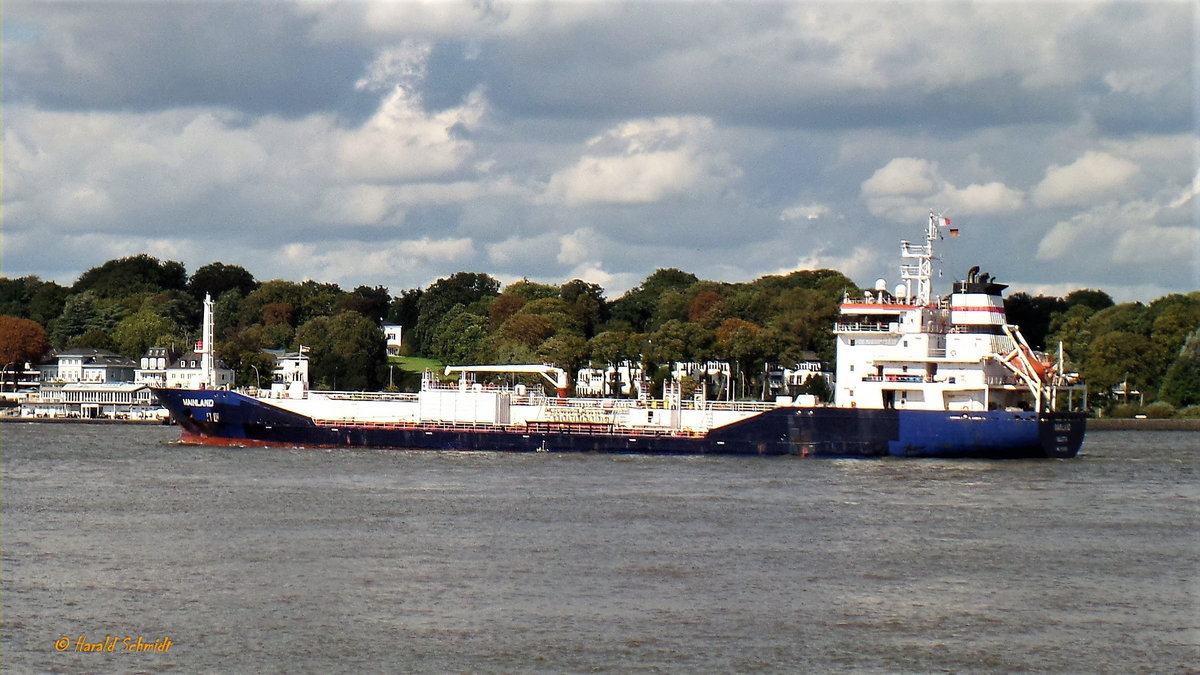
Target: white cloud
1094	176
718	128
74	169
1188	194
804	212
906	188
1139	81
401	141
353	262
359	205
1123	234
645	161
523	251
119	170
579	247
1157	245
403	65
858	262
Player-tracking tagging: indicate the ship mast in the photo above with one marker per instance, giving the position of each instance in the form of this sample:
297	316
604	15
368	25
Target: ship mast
922	270
207	370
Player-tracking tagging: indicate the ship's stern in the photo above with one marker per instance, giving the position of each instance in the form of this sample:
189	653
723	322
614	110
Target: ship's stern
1061	433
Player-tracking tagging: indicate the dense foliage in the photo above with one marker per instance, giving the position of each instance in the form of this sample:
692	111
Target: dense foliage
130	304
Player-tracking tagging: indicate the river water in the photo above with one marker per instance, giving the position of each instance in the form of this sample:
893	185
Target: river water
288	560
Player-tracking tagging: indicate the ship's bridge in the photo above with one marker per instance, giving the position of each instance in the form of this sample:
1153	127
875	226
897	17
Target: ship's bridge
888	314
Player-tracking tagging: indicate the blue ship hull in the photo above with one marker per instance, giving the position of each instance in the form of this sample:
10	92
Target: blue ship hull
213	417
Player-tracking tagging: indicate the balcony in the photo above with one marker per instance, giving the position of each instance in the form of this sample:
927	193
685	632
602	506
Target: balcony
915	379
865	327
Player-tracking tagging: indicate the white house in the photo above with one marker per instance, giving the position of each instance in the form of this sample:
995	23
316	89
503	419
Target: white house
88	364
394	335
154	364
188	373
89	382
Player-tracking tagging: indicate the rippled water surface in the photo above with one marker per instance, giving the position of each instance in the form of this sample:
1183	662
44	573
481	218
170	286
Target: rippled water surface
274	560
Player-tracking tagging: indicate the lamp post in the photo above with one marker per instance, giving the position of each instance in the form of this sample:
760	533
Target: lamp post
257	377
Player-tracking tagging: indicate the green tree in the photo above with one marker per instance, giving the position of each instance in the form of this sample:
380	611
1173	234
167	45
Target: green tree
503	308
84	313
218	278
569	352
678	340
531	290
371	302
613	347
1173	318
1090	298
1118	358
132	275
636	308
1127	317
46	302
274	292
460	288
460	338
511	352
802	321
226	308
1073	330
139	332
31	298
1033	315
672	305
747	345
527	329
405	308
1181	385
558	312
347	351
95	338
239	347
254	369
321	299
587	303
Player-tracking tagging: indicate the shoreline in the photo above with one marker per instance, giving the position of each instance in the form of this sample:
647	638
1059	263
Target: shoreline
1126	424
80	420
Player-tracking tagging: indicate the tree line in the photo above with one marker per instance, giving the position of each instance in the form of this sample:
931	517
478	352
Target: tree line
130	304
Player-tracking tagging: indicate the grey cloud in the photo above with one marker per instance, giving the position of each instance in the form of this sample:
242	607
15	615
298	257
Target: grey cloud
255	57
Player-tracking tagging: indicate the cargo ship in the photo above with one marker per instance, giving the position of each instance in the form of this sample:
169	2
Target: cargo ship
916	376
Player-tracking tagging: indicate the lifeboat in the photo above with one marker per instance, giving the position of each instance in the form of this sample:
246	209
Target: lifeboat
1026	363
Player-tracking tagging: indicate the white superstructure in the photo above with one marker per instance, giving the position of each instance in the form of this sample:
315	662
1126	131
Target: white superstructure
908	350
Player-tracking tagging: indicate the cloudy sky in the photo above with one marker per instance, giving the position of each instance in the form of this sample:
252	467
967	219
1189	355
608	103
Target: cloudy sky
393	143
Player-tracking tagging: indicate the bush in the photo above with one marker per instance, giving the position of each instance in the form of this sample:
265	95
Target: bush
1125	410
1159	410
1192	412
